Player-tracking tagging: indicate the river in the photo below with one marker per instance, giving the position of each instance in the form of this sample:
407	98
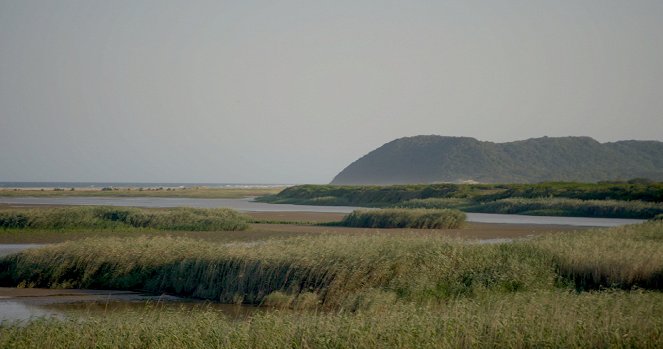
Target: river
248	204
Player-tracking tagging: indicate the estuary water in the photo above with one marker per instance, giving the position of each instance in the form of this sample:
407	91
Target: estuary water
20	304
249	205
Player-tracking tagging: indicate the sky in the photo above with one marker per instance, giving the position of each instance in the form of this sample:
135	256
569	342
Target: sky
294	91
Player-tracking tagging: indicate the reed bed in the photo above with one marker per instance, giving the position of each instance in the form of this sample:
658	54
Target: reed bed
622	257
387	195
338	270
618	200
118	218
391	291
524	320
571	207
405	218
342	272
545	207
435	203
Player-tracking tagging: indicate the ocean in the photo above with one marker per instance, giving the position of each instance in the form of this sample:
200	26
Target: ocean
135	185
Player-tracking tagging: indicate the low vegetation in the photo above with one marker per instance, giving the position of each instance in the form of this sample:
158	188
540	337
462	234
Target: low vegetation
405	218
432	203
623	257
543	320
571	207
618	200
121	218
338	270
595	288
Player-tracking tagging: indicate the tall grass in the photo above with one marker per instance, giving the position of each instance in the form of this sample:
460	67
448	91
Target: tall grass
101	217
378	196
622	257
383	291
434	203
342	271
405	218
338	270
571	207
626	200
526	320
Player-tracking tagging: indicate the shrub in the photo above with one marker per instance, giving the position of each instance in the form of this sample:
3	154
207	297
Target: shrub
405	218
101	217
622	257
541	320
299	272
571	207
434	203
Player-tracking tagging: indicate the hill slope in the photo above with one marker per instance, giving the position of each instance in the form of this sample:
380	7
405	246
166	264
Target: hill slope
430	159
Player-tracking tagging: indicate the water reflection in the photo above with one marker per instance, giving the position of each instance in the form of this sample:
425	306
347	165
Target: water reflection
18	311
7	249
18	304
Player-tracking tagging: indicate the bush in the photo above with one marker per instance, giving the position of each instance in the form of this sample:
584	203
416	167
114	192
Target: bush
101	217
434	203
624	257
296	272
405	218
571	207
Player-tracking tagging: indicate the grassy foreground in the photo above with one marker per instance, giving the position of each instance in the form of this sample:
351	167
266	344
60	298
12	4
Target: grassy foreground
405	218
548	319
121	218
624	257
332	271
342	271
395	291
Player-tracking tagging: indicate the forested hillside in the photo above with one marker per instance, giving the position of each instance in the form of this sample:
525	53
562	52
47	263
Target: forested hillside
434	159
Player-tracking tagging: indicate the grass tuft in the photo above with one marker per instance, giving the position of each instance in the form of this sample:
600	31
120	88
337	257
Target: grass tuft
103	217
405	218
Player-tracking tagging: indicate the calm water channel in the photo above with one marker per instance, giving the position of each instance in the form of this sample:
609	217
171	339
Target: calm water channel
247	204
18	304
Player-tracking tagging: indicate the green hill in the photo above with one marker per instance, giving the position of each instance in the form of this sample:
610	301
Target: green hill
432	159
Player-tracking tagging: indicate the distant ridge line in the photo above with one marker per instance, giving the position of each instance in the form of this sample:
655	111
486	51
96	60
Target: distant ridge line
433	158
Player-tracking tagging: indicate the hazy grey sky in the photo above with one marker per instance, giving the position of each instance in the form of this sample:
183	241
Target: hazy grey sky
293	91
